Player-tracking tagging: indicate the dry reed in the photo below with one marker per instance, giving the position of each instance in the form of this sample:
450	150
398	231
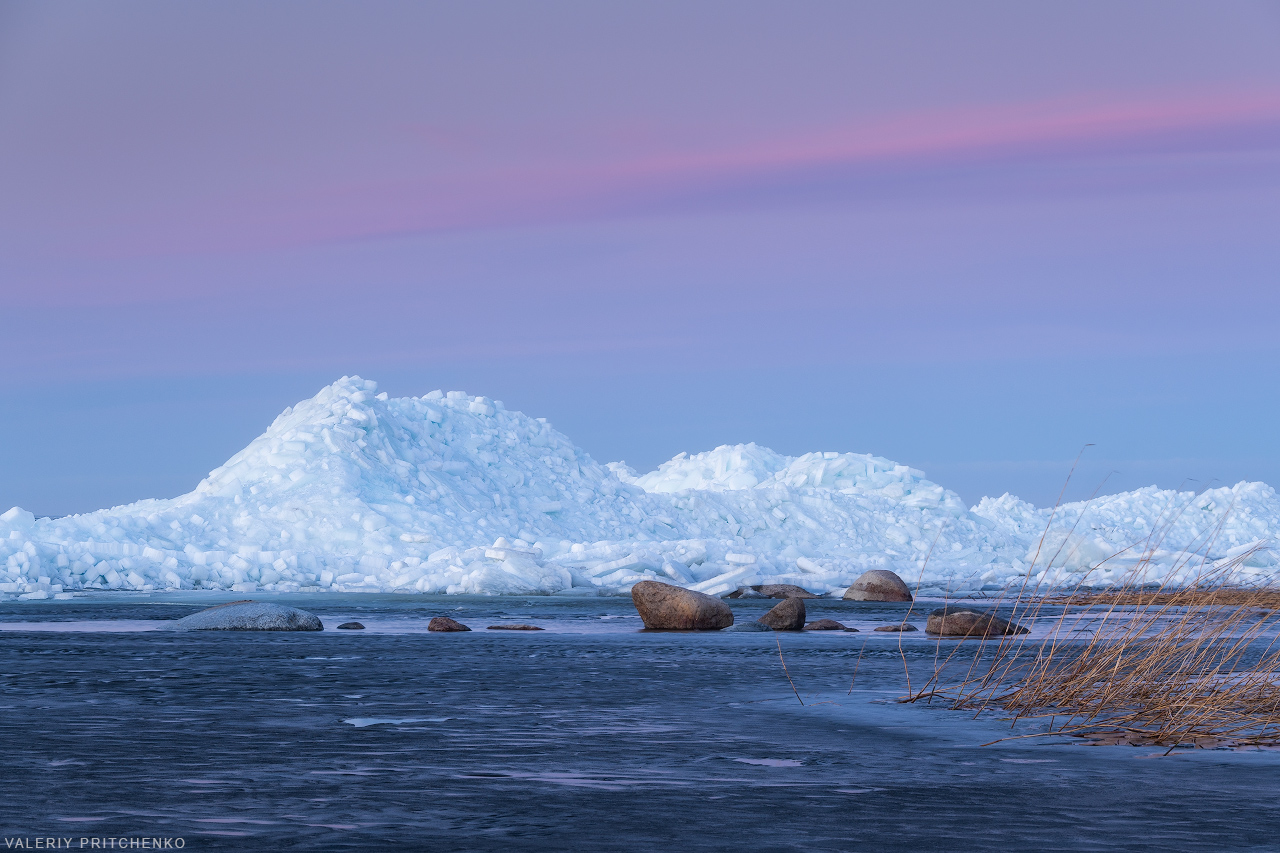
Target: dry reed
786	671
1135	663
1190	597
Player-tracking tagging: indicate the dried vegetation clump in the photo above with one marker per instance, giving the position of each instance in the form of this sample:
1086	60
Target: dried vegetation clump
1190	597
1195	665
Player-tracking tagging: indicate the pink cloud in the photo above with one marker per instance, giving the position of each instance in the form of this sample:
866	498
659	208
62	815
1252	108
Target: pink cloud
539	193
461	180
1048	126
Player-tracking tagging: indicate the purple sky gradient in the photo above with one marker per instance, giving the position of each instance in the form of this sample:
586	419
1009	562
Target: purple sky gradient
900	228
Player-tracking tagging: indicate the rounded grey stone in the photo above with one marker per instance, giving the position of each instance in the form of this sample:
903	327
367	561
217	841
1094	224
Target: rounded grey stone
249	616
878	585
783	590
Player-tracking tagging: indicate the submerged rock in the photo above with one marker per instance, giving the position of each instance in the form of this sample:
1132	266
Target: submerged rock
878	585
786	616
783	590
963	622
672	608
827	625
514	628
897	629
444	623
350	626
747	626
249	616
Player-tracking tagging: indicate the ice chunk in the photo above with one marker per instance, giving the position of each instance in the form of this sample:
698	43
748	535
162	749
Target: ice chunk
17	518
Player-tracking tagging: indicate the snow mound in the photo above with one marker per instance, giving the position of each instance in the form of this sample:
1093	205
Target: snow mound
450	493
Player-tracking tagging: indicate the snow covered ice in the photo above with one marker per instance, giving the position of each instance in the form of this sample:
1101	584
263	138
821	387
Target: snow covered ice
449	493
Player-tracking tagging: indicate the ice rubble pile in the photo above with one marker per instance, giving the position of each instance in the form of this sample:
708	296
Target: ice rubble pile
450	493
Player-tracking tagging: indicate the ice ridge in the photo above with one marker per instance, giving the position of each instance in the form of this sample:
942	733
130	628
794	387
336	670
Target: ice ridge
449	493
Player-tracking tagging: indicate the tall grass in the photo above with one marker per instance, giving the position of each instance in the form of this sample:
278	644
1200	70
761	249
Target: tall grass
1196	664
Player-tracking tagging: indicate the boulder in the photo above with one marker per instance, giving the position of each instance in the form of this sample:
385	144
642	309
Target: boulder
783	590
250	616
963	622
897	629
350	626
878	585
671	608
444	623
746	626
514	628
785	616
746	592
826	625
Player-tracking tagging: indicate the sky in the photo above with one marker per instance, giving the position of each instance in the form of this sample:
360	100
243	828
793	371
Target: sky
973	238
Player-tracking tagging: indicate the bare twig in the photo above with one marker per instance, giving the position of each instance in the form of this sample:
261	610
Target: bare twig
785	672
855	666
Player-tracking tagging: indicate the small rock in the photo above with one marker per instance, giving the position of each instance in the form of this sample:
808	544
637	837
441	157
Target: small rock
783	590
514	628
897	629
878	585
786	616
825	625
444	623
672	608
249	616
350	626
746	592
746	626
963	622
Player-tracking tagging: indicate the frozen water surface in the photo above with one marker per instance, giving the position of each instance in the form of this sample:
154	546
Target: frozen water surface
113	626
608	739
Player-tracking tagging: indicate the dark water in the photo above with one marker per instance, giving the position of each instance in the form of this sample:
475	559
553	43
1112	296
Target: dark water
591	736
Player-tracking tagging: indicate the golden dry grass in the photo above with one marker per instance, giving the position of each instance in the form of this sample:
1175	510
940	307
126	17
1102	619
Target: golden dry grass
1193	597
1195	665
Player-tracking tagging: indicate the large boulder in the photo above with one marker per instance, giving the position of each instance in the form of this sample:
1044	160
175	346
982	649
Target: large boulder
878	585
672	608
444	623
963	622
783	590
788	615
250	616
